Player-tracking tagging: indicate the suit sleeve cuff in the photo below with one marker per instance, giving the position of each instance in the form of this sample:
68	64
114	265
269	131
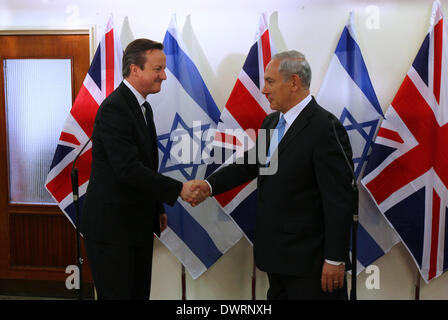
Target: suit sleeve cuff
335	263
210	186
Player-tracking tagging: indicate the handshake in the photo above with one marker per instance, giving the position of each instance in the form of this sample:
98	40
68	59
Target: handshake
195	191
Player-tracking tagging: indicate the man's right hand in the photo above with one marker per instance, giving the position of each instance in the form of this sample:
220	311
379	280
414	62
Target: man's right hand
195	191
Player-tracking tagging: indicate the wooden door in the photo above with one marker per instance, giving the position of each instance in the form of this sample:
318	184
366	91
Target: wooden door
37	242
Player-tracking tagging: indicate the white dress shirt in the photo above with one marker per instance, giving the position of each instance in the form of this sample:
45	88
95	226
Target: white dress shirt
139	97
294	112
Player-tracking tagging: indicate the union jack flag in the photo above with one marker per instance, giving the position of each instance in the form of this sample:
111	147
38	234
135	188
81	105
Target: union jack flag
244	111
408	168
103	77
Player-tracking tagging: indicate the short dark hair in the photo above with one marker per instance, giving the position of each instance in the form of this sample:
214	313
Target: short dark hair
135	54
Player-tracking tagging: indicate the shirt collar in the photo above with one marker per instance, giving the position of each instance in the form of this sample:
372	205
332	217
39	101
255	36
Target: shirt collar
137	94
294	112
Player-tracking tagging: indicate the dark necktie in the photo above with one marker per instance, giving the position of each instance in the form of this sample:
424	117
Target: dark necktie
152	129
148	113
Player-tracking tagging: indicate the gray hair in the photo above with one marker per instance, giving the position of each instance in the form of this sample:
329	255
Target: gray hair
294	62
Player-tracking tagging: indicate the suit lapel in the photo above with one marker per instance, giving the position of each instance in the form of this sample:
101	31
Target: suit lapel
302	120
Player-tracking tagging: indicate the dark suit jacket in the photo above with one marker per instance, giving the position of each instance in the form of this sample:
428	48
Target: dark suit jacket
125	193
304	210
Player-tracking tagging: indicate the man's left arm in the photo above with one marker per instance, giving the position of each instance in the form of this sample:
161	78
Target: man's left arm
334	178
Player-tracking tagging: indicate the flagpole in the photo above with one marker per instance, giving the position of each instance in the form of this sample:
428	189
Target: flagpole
254	281
354	255
75	188
417	287
184	296
74	175
353	289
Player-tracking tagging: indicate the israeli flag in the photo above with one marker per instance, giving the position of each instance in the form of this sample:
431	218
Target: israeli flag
347	92
186	116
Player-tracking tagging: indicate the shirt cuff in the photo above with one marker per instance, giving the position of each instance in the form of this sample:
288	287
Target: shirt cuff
335	263
210	186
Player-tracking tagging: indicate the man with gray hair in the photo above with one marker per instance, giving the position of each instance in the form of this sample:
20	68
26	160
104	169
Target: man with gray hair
304	209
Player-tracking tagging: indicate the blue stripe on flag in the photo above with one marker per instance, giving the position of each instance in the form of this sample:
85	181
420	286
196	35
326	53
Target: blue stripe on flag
244	215
377	156
188	75
60	153
368	250
192	234
70	210
223	154
410	225
420	63
349	54
95	67
251	65
211	168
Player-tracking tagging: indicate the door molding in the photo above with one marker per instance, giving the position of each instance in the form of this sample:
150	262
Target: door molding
90	30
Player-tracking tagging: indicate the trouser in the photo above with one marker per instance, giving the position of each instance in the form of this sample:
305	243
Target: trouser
120	272
283	287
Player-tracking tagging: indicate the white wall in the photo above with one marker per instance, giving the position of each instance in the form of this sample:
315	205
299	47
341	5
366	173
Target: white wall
218	35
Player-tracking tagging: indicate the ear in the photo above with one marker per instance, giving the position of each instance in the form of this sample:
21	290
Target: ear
296	83
134	69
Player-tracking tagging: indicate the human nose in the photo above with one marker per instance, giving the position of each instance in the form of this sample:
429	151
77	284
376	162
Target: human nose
163	75
264	91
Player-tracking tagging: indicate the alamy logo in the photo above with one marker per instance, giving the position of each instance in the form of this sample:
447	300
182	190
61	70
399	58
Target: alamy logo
72	281
373	19
373	281
186	148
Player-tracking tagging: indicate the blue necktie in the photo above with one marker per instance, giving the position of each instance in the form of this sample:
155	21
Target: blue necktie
274	142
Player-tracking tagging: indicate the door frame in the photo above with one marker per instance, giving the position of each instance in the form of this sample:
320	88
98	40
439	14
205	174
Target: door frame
91	32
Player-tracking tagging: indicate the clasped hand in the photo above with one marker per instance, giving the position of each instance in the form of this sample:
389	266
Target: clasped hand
195	191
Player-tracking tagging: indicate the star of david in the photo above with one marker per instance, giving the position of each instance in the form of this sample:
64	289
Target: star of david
166	143
366	130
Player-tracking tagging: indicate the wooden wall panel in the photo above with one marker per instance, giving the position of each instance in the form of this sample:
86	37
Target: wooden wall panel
42	241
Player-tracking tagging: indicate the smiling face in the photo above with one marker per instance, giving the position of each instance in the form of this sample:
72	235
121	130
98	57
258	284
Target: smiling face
149	79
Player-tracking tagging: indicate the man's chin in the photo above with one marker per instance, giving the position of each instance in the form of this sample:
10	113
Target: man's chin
156	90
274	107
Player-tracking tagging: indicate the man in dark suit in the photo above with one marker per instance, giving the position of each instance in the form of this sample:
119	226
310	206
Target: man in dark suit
305	204
123	204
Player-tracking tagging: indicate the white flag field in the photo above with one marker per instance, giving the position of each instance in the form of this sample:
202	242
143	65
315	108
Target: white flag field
186	114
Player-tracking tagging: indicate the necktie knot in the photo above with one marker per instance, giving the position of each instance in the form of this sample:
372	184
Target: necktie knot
280	128
281	122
